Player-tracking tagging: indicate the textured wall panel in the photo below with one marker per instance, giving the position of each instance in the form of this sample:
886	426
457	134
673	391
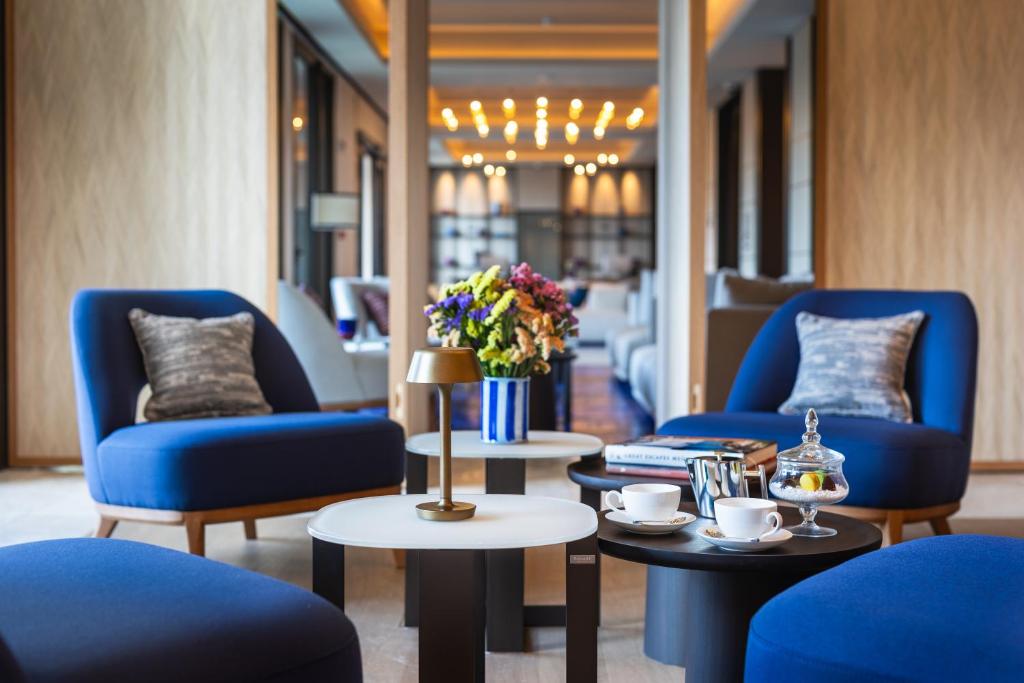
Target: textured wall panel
925	172
140	160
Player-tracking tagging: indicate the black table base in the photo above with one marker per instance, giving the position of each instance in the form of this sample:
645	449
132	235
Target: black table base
452	610
507	616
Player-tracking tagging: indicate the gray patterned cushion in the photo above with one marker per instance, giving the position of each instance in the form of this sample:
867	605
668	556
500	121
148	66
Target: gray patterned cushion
198	368
853	367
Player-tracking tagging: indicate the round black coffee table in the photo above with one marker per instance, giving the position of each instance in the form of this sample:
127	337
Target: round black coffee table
594	479
723	589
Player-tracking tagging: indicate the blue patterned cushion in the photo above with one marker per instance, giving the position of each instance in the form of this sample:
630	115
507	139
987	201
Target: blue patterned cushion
854	367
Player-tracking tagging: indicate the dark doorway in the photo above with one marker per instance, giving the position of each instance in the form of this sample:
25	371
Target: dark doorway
729	183
372	179
313	161
773	181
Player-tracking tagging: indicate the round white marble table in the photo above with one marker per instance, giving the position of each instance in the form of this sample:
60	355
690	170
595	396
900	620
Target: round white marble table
541	445
505	472
453	560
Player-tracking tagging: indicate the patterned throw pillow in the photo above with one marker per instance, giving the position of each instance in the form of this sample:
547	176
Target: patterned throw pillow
198	368
854	367
376	303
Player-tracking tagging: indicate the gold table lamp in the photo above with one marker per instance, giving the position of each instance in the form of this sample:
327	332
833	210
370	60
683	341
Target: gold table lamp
445	367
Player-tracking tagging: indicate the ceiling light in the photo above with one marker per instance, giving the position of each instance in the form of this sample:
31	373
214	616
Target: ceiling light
608	106
511	131
467	159
572	133
542	113
483	130
569	159
598	133
511	155
475	106
613	159
500	171
297	123
447	113
489	170
602	158
542	102
478	158
542	124
579	170
508	105
591	168
575	108
452	124
634	118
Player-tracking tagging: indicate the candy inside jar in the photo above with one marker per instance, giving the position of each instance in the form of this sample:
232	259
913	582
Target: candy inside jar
810	475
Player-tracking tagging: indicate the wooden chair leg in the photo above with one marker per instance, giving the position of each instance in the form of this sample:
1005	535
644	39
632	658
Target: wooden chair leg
250	529
196	531
105	527
892	530
940	525
399	558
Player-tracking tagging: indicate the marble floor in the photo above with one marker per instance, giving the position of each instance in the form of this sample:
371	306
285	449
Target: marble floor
54	503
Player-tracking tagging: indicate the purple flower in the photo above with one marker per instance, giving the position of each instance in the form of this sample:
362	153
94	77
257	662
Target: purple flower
481	314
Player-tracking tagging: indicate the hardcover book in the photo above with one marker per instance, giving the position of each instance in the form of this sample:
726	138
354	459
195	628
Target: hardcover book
675	451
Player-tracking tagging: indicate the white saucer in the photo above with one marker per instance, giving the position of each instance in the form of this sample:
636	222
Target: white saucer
712	534
620	518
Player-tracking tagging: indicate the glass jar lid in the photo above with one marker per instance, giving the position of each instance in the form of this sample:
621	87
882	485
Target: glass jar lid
811	451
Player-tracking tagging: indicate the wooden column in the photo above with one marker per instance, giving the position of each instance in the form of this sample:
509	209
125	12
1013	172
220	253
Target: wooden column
408	239
681	176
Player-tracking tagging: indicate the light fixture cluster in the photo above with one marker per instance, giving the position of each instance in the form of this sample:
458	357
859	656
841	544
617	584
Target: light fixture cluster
540	131
603	119
469	160
635	118
450	121
590	168
479	118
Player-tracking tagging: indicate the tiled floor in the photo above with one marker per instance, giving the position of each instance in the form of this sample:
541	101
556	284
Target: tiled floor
40	504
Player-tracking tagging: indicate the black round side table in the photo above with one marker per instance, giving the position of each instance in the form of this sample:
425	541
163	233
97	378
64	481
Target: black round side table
723	589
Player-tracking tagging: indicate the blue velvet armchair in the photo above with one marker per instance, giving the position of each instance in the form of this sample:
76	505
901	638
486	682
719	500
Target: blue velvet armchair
196	472
897	472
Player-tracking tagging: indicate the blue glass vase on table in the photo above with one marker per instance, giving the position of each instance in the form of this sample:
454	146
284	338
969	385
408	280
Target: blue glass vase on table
513	324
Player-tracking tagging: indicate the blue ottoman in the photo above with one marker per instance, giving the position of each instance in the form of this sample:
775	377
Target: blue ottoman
87	610
936	609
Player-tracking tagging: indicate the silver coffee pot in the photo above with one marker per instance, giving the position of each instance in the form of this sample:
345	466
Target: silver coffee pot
722	475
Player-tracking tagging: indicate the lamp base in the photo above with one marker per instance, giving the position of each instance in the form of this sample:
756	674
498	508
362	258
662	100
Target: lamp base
436	512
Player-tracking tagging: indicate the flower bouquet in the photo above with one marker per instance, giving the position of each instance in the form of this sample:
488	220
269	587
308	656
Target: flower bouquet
513	324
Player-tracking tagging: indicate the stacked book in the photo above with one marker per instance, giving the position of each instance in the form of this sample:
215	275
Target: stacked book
666	456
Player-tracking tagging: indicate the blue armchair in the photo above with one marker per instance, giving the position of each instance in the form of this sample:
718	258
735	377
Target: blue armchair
197	472
897	472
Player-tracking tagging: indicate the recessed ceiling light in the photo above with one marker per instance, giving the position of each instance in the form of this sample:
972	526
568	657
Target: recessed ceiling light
489	170
511	155
602	158
579	170
542	102
569	159
467	159
508	105
475	106
297	123
598	133
478	158
591	168
613	159
500	171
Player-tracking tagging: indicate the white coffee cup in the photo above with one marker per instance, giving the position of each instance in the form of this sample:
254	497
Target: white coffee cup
646	502
747	517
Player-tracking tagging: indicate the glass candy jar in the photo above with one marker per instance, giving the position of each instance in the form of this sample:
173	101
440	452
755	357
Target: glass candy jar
810	475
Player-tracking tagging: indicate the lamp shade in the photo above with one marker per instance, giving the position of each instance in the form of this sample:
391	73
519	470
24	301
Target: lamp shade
444	366
334	210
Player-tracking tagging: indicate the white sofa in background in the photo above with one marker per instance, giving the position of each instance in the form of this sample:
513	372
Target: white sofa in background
347	299
341	379
623	341
605	309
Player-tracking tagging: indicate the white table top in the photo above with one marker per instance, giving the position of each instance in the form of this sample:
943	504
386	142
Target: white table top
541	444
502	521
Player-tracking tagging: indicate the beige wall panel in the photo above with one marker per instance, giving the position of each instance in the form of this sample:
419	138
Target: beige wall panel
140	160
925	163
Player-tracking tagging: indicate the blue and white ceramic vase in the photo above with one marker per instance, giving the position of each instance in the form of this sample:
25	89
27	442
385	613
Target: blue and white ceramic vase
504	409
